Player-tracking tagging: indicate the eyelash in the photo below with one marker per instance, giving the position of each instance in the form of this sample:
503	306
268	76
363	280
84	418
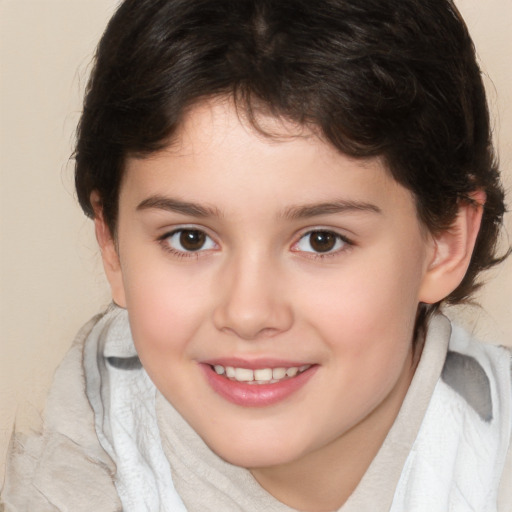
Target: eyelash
163	241
347	243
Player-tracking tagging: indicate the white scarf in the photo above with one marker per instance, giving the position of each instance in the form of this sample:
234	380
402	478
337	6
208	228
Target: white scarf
459	455
455	463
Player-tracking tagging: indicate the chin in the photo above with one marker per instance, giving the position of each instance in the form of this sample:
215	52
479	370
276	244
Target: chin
255	455
253	460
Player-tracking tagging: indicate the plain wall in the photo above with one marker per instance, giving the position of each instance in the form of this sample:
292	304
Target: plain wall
51	279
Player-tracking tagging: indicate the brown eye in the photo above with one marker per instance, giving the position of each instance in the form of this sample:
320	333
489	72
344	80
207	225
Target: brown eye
192	239
188	240
321	241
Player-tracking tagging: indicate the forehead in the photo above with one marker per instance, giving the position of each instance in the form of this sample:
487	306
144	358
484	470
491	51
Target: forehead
218	156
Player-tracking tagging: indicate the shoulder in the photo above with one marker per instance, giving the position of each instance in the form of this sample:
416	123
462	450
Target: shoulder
459	457
63	467
480	373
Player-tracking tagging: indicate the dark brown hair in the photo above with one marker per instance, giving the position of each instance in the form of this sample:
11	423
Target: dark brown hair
390	78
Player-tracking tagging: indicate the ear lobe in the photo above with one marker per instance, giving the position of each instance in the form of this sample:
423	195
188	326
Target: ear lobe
109	254
453	250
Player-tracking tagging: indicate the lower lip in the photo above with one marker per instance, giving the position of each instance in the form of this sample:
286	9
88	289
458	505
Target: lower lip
256	395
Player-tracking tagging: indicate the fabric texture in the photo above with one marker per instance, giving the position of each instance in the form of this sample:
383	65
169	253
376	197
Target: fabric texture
471	427
64	468
111	442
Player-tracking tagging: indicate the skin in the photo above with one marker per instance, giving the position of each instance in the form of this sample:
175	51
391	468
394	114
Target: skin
257	289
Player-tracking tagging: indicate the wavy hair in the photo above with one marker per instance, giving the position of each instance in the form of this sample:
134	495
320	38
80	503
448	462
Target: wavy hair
396	79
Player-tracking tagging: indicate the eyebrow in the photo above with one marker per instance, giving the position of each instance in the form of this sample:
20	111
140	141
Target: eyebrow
292	213
175	205
329	208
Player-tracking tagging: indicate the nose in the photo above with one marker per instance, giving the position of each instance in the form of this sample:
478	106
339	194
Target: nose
252	300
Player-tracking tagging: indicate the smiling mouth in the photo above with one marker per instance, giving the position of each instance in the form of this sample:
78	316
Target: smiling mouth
259	376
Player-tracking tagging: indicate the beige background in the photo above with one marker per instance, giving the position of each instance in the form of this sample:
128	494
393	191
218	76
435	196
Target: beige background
51	280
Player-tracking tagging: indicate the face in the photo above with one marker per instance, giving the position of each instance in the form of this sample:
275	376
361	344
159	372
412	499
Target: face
272	286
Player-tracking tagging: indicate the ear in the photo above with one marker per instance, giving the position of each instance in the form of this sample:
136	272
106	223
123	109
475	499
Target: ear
109	253
452	251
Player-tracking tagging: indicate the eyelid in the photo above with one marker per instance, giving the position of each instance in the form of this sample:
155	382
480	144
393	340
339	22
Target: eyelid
172	229
347	242
163	241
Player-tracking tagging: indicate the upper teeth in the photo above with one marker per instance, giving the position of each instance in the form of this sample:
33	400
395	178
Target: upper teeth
261	375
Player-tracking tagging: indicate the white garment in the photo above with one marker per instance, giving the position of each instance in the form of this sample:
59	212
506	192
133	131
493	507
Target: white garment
455	464
458	458
123	401
446	451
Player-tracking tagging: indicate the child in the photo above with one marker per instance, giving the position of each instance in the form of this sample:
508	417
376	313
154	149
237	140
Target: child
284	193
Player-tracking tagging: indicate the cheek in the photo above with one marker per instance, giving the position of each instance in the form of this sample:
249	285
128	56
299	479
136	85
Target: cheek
367	292
165	306
367	310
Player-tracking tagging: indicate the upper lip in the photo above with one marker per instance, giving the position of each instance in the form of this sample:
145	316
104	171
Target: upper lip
254	364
